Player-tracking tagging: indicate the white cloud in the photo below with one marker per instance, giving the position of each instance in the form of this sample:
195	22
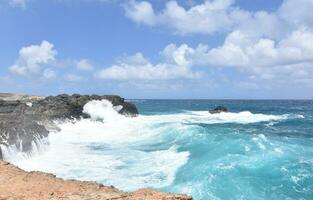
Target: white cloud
32	58
141	12
298	12
37	61
84	65
264	58
137	67
266	45
240	50
209	17
213	16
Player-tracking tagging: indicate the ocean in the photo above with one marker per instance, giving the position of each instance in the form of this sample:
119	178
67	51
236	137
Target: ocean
260	149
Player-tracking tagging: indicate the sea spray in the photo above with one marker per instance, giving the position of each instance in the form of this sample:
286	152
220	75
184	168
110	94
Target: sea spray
221	156
103	110
14	153
107	148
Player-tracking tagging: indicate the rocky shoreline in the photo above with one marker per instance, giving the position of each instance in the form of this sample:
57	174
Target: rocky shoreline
25	120
20	185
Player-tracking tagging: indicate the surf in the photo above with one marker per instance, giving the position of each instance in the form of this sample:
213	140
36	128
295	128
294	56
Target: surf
140	152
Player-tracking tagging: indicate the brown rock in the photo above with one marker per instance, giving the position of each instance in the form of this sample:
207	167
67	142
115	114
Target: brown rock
17	184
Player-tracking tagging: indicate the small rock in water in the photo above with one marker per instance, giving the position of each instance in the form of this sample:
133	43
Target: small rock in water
218	109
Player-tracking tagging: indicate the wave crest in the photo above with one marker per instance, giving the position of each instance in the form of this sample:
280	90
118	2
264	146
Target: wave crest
244	117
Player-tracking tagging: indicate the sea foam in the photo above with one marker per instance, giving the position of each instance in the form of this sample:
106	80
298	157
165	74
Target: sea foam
129	153
108	148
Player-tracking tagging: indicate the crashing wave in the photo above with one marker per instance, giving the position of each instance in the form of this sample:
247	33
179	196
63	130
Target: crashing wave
125	152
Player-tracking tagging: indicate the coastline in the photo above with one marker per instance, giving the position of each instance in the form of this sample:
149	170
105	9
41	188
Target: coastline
25	120
22	185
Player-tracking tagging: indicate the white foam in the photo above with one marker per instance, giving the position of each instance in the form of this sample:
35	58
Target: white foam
103	110
13	153
204	117
244	117
115	150
110	151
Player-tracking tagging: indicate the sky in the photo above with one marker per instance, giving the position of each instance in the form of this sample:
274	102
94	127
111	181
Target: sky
186	49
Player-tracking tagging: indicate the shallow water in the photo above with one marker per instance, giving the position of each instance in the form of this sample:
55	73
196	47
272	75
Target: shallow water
260	150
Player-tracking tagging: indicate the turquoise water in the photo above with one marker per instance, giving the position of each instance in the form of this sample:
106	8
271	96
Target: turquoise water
263	160
259	150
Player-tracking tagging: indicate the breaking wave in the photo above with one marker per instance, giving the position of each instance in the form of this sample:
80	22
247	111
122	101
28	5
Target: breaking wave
129	153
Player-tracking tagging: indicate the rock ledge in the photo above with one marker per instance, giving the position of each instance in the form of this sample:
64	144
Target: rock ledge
17	184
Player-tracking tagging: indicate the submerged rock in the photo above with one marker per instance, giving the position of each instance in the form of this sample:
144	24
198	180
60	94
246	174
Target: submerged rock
18	184
24	119
218	109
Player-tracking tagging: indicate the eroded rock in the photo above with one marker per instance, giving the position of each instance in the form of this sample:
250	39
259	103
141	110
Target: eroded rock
21	185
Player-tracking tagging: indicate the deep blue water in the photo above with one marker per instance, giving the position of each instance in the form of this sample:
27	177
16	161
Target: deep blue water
262	160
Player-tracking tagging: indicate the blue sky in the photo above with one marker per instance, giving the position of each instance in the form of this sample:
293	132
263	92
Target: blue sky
158	49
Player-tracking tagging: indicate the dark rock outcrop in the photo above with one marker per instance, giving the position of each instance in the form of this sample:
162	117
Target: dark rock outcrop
24	119
218	109
21	131
65	106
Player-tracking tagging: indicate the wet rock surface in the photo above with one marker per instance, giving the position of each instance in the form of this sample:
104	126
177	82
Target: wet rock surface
20	185
24	119
218	109
72	106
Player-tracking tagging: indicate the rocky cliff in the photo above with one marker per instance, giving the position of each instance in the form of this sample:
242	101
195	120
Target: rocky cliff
24	119
20	185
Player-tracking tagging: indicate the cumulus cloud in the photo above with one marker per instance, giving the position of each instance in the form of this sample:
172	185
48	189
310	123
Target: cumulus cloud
39	61
266	45
213	16
32	58
265	58
298	12
141	12
239	50
137	67
261	58
209	17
